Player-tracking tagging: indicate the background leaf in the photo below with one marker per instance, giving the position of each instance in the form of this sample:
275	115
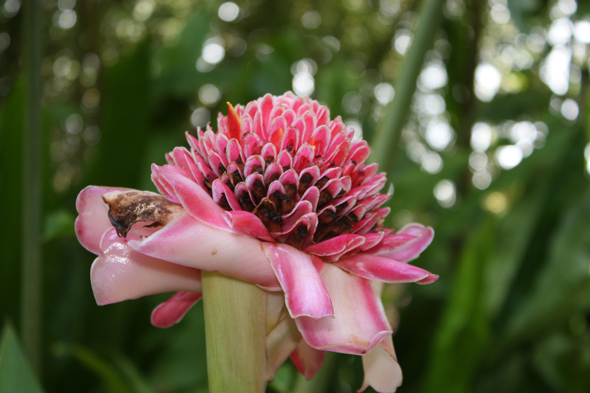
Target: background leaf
15	372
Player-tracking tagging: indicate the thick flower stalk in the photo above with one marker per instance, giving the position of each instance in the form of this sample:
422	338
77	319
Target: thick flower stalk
280	197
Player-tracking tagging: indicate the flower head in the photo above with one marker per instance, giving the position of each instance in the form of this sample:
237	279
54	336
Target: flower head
279	196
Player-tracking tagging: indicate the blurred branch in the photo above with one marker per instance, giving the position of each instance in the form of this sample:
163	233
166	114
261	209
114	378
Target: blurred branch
389	129
31	235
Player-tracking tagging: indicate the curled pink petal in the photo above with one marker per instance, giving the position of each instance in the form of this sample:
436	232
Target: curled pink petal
307	359
121	273
162	184
300	234
359	322
305	294
412	249
358	245
312	195
92	220
194	199
390	242
371	240
188	242
301	208
384	269
248	223
336	245
382	371
173	310
221	190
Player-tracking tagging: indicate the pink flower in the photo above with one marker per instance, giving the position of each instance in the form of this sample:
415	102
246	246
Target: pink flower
281	197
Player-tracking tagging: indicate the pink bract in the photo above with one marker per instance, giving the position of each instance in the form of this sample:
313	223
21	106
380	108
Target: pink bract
279	196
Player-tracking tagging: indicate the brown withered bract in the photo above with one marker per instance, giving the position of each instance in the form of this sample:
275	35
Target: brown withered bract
128	207
298	235
269	215
330	225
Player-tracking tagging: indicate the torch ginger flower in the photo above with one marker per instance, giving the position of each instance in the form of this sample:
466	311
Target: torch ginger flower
279	196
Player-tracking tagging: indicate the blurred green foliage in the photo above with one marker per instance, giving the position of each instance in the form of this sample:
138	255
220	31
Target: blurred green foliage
15	372
123	80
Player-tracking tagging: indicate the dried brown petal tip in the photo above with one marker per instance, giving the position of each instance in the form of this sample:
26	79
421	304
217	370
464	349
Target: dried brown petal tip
128	207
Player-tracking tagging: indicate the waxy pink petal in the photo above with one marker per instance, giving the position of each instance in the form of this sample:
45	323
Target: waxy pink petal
305	294
384	269
307	359
359	322
92	220
188	242
121	273
247	223
382	371
193	198
390	242
412	249
336	245
173	310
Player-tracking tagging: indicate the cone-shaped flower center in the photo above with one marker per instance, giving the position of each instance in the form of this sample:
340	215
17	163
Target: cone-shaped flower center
302	174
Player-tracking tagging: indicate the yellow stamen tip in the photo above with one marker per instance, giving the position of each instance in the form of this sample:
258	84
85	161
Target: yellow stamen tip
231	109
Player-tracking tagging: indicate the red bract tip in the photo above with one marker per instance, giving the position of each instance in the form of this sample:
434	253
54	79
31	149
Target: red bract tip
233	123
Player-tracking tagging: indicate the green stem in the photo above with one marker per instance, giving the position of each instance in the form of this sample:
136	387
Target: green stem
235	328
321	381
31	193
389	129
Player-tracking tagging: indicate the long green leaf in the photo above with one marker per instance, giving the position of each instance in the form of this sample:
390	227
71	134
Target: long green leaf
181	364
514	237
104	370
31	274
11	180
179	76
563	285
389	129
131	374
125	122
15	372
465	328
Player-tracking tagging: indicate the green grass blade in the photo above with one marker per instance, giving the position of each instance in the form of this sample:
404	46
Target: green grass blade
386	139
109	375
15	372
31	230
465	329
